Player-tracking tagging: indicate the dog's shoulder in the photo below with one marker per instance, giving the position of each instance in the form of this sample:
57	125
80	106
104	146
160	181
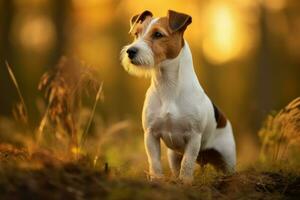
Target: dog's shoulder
219	117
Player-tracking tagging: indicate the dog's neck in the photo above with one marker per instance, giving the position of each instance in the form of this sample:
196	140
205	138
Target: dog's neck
176	75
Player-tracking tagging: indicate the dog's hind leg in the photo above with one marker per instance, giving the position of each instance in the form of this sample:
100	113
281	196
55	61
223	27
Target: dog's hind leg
216	159
221	153
174	159
225	145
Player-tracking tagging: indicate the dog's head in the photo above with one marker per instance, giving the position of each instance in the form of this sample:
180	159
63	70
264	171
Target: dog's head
155	40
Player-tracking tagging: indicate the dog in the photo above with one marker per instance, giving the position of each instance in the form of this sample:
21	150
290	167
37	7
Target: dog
176	109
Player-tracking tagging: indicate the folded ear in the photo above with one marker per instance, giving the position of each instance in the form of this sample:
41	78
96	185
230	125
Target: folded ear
178	21
139	18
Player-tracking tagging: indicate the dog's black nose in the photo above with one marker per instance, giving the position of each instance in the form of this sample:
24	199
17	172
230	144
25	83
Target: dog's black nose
132	51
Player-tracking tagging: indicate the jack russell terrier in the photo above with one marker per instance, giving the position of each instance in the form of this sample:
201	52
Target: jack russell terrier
176	108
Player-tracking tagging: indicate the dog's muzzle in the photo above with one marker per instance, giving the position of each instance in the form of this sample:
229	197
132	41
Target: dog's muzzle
137	57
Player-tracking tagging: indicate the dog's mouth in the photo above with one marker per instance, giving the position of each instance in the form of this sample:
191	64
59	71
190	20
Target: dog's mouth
139	62
136	62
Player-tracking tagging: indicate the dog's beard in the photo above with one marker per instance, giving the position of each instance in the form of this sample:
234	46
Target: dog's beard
142	65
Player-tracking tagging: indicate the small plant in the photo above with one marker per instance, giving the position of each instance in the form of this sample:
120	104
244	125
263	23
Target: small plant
63	88
281	133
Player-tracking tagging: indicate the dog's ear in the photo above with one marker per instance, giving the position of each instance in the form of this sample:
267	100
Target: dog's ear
178	21
139	19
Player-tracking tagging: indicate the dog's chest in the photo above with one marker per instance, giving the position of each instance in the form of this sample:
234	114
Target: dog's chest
172	123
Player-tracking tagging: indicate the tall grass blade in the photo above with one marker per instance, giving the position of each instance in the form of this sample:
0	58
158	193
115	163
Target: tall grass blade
13	78
98	95
42	125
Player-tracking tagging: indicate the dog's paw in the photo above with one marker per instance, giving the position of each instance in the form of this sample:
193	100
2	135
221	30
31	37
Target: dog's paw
157	178
186	180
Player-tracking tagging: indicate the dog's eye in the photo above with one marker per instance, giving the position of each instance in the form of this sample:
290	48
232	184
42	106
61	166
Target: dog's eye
157	35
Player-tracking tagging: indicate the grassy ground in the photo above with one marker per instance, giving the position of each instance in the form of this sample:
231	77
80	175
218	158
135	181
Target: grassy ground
41	176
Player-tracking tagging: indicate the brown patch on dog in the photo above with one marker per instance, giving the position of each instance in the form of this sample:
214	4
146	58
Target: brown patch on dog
139	19
213	157
166	47
219	117
139	28
178	21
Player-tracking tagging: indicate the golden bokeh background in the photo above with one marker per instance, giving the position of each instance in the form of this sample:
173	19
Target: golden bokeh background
246	53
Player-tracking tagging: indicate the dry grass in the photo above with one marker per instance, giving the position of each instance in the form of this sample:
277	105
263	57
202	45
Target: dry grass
63	88
280	135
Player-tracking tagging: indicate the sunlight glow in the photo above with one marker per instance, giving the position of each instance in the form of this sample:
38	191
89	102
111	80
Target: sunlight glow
224	38
37	34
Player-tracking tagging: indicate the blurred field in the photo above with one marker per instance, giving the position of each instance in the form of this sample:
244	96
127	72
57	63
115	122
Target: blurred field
70	122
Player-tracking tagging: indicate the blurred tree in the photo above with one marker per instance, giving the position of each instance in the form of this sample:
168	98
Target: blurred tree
60	15
264	71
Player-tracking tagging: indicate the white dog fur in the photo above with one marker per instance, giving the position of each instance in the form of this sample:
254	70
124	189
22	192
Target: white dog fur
176	109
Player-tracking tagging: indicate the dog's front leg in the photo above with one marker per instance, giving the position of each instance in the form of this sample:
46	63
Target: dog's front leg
189	158
174	161
152	145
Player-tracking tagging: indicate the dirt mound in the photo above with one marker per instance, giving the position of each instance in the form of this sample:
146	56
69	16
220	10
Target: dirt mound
259	185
